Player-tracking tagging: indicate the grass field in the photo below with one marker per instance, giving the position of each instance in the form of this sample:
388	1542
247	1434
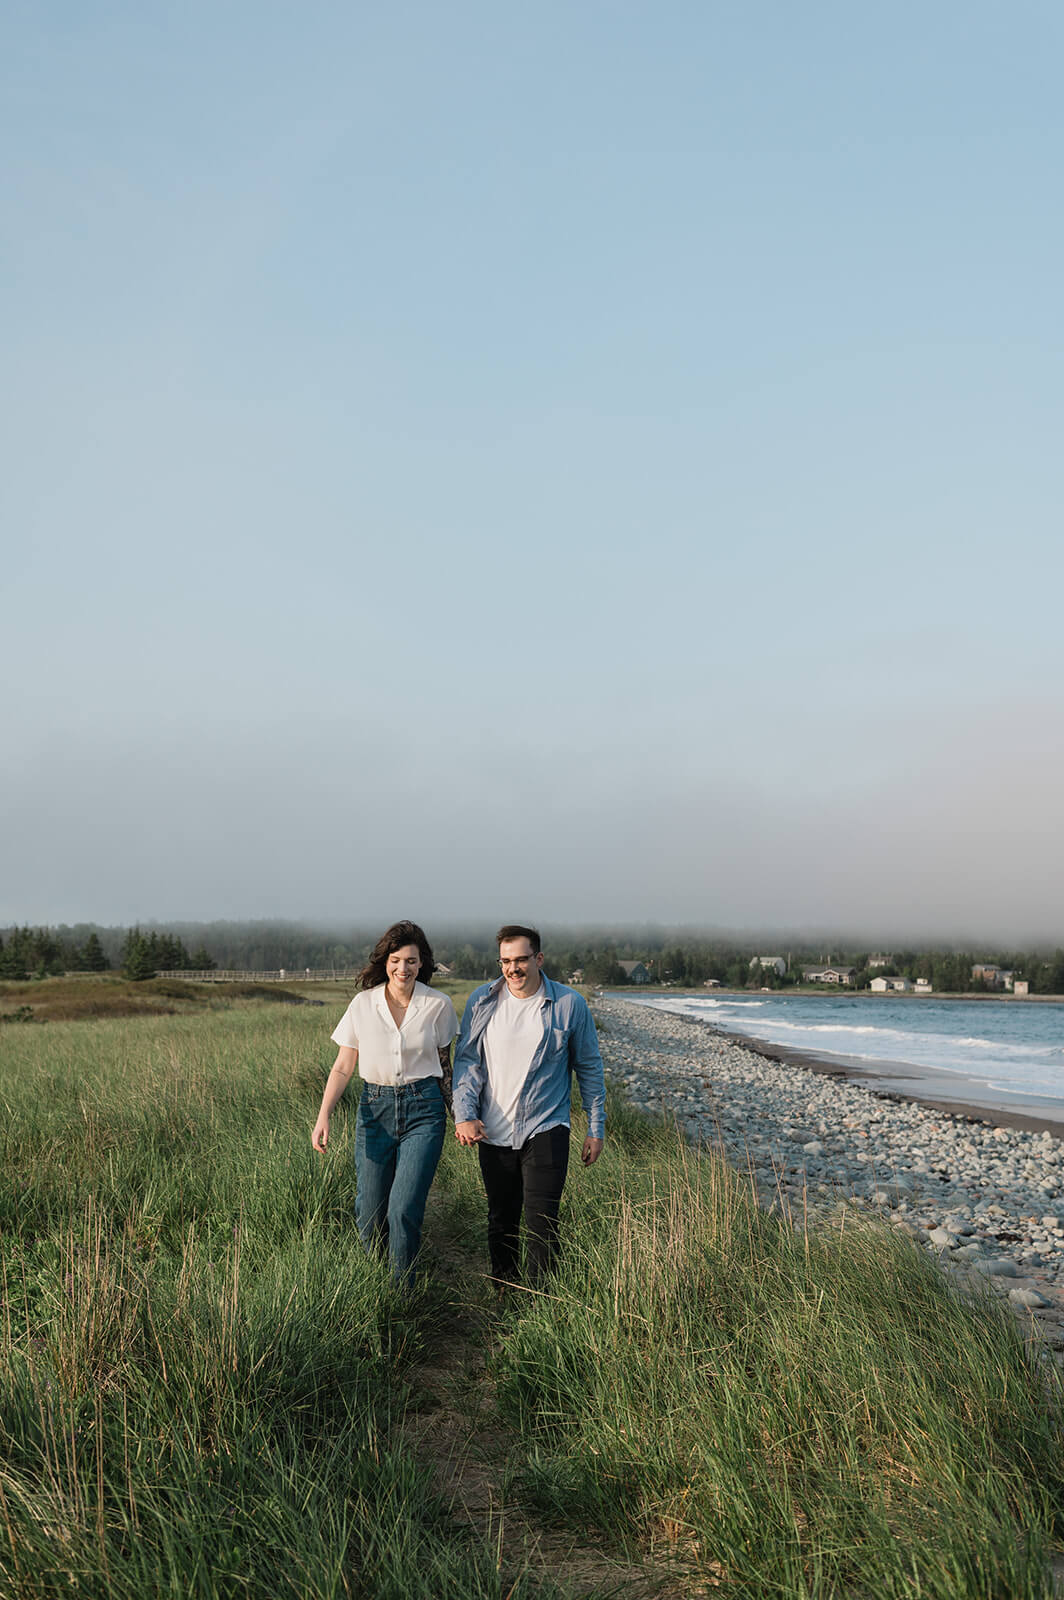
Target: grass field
208	1391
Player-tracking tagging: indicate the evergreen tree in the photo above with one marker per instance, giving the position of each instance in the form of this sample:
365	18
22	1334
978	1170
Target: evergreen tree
602	967
46	959
1050	975
200	961
170	953
16	956
138	960
92	956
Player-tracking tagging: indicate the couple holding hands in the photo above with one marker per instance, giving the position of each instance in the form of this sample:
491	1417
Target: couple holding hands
522	1037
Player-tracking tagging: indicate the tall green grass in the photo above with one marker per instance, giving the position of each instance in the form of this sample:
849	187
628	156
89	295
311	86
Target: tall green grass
201	1375
789	1412
205	1385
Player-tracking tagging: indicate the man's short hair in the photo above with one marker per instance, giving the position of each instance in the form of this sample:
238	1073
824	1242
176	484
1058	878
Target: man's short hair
512	930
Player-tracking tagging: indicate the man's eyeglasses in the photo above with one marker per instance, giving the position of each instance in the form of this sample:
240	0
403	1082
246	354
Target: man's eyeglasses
518	961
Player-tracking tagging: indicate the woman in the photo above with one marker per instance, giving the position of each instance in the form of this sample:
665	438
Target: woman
398	1032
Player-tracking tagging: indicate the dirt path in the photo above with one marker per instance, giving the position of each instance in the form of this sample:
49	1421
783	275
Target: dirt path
455	1428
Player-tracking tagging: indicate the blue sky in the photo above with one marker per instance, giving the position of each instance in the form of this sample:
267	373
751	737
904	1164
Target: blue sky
580	462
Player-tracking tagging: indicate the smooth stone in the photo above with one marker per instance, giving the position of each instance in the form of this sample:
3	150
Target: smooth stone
999	1267
1027	1297
894	1189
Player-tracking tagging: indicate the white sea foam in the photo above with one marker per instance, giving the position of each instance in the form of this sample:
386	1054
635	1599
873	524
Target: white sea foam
1013	1046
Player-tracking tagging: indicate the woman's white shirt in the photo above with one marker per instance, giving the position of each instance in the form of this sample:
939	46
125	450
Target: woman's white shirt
391	1055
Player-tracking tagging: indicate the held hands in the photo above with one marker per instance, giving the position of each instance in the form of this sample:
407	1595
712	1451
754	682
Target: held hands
469	1132
473	1133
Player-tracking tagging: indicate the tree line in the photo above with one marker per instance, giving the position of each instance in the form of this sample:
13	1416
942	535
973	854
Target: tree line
43	953
679	958
692	962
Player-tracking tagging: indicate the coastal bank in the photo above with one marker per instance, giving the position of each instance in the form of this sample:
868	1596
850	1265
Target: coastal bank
985	1196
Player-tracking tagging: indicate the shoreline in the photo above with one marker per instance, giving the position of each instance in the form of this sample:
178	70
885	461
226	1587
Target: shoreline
981	1187
923	1086
829	991
955	1094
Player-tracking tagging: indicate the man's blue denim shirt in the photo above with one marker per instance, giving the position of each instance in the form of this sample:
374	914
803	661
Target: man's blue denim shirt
569	1044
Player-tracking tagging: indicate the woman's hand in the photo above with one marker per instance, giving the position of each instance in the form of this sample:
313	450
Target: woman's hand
469	1132
336	1083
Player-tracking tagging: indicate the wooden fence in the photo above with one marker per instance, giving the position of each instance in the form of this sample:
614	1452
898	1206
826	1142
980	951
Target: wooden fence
283	975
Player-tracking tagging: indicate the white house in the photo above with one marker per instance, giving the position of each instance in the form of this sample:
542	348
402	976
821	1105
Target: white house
923	986
828	974
776	963
890	986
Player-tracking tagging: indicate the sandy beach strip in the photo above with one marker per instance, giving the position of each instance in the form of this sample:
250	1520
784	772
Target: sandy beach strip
982	1187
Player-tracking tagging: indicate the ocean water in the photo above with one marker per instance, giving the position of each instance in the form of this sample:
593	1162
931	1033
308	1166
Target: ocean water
1015	1046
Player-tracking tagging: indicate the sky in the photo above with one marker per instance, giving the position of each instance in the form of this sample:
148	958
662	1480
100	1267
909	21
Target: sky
584	462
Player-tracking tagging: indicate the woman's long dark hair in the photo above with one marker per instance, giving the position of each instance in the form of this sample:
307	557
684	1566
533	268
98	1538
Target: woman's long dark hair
400	933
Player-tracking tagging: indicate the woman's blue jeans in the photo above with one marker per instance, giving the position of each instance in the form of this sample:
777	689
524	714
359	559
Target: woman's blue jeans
398	1142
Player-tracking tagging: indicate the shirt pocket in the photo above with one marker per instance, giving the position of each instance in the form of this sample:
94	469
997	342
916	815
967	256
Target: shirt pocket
559	1041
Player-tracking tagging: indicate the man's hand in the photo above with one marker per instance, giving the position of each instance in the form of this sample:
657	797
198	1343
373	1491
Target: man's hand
591	1151
469	1132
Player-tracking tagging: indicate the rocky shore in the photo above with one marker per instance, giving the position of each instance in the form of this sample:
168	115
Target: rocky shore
987	1201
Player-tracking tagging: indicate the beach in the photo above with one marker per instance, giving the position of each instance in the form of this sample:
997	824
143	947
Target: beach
981	1187
978	1056
951	1092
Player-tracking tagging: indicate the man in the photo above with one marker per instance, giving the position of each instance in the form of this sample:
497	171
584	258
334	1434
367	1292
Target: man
522	1037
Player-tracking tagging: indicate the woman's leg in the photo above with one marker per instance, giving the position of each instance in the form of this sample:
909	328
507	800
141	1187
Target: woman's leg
421	1125
375	1160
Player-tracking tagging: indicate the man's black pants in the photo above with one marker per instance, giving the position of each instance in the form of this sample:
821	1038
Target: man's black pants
531	1180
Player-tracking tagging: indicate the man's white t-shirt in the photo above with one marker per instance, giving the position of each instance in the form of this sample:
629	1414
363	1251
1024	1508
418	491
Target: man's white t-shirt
511	1039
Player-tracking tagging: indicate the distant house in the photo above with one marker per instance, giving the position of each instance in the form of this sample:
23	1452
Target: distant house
993	976
634	971
577	976
711	983
774	963
881	961
842	975
923	986
890	985
1021	987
